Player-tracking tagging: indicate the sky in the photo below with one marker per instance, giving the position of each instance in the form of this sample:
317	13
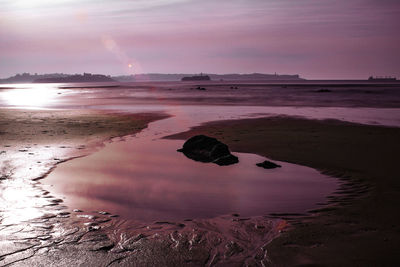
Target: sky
317	39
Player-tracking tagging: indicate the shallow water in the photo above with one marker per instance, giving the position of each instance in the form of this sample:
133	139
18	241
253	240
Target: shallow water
144	178
374	105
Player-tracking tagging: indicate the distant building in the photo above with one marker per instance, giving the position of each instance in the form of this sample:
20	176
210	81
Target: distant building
382	79
200	77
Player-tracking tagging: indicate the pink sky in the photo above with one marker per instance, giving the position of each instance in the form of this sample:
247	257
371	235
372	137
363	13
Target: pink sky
314	38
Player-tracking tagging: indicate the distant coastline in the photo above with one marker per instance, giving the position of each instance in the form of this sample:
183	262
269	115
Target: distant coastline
216	78
86	77
213	77
150	77
57	78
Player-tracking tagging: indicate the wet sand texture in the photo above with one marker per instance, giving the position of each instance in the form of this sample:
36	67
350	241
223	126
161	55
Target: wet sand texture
66	126
361	227
62	236
33	222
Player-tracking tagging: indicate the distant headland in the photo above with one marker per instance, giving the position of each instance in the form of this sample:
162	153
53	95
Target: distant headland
203	77
57	78
88	77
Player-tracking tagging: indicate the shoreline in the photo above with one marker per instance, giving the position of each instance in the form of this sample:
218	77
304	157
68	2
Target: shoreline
356	228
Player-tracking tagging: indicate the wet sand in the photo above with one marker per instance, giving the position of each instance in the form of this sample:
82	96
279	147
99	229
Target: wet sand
33	140
38	229
359	227
32	143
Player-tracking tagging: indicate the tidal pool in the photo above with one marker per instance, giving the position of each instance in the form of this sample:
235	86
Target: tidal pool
144	178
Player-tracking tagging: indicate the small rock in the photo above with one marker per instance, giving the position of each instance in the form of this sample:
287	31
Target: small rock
93	228
323	91
268	165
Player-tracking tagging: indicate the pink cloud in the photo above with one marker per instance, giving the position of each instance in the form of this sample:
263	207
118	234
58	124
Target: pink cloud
320	39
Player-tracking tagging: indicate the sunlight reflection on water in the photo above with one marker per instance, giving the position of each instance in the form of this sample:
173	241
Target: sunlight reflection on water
36	95
18	201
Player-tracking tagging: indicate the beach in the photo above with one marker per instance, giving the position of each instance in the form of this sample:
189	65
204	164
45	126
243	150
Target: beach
359	223
199	133
342	155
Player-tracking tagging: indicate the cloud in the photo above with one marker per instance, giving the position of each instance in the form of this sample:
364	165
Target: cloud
167	36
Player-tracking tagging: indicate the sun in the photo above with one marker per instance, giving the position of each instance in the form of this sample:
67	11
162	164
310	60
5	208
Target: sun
130	65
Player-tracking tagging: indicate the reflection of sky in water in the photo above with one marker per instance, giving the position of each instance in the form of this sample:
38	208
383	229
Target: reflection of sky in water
148	180
145	178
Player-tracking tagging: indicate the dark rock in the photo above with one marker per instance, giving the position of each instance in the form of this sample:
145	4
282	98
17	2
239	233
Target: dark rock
207	149
268	165
323	91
